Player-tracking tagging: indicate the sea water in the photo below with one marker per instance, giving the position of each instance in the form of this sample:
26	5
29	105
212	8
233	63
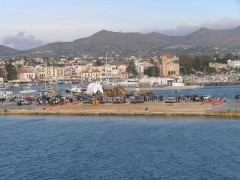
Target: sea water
110	147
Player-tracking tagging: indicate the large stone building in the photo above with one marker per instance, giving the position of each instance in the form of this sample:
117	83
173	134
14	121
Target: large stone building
169	65
218	65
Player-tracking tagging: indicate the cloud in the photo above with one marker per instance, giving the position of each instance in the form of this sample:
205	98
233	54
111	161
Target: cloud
222	24
22	42
185	29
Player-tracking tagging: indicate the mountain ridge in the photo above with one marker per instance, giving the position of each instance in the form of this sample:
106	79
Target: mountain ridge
134	43
5	50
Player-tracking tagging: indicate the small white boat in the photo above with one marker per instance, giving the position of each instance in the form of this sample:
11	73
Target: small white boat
14	85
129	82
74	89
27	91
6	93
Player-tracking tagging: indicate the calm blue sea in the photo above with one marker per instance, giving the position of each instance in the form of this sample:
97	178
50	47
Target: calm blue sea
92	147
228	92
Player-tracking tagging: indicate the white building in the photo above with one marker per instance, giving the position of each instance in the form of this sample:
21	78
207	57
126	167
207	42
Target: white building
233	64
26	75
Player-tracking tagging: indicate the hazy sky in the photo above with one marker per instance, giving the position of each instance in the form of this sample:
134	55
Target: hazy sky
30	23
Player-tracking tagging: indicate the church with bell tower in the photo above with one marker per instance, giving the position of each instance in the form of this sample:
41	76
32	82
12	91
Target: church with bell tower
169	66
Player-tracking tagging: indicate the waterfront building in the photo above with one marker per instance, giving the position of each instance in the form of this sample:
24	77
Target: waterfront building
122	67
50	73
91	75
123	75
25	75
233	64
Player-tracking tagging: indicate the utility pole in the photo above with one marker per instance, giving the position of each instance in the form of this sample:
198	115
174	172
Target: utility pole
106	58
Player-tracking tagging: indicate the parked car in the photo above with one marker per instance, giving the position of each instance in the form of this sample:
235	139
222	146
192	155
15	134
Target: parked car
30	98
13	98
237	97
171	97
22	102
206	97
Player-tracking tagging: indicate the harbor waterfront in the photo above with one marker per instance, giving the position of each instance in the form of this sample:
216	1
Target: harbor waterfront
209	108
110	147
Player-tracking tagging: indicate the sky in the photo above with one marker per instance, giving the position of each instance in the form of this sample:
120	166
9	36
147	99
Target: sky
25	24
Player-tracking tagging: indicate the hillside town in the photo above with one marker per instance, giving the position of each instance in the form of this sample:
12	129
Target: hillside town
105	69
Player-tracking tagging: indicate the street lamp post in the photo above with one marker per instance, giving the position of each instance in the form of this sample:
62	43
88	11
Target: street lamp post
176	96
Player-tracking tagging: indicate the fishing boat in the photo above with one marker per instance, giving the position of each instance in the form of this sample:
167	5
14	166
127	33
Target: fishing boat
27	91
74	89
5	92
129	83
2	98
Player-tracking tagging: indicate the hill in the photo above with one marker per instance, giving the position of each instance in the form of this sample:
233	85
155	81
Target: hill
4	50
107	41
229	38
125	44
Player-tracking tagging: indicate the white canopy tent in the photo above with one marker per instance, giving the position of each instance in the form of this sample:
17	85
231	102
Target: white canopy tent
94	88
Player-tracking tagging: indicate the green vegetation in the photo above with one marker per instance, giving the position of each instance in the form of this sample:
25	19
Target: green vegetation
131	69
152	71
189	64
224	59
208	70
11	71
98	63
2	72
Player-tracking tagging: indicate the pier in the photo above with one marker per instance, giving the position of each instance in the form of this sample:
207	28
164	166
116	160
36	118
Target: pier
231	108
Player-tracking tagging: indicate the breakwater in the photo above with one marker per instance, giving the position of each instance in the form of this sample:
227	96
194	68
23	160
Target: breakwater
174	109
220	83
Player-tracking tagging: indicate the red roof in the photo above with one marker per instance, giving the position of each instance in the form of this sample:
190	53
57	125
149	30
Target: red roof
96	71
22	71
167	56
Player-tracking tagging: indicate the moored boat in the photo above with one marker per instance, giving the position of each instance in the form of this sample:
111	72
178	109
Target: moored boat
74	89
27	91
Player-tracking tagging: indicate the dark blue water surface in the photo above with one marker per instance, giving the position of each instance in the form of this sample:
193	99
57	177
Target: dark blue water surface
91	147
228	92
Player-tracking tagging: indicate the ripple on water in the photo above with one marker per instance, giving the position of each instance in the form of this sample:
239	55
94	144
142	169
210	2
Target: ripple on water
87	147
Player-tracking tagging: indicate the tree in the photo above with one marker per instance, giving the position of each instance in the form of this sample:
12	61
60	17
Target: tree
11	71
224	59
152	71
209	70
98	63
131	69
2	72
189	63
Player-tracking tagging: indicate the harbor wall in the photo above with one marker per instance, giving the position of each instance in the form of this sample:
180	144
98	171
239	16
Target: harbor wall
146	109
